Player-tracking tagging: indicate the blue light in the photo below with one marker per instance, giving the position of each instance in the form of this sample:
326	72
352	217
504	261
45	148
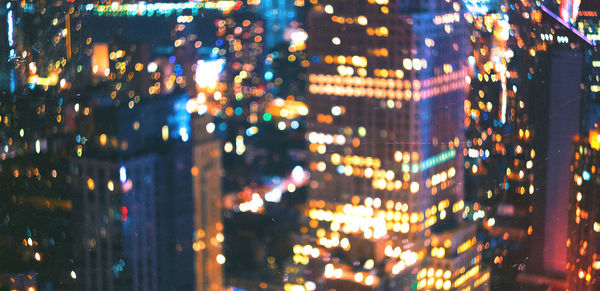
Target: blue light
268	76
9	20
171	59
219	42
295	124
123	174
586	175
180	119
341	169
238	111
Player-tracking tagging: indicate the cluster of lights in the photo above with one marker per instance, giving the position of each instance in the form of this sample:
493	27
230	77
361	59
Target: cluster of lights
157	9
446	18
354	86
434	278
273	193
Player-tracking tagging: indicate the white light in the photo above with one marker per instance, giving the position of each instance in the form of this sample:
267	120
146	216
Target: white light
73	275
152	67
310	285
281	125
207	73
336	40
336	110
122	174
202	109
220	259
299	36
328	9
298	174
184	135
273	196
210	128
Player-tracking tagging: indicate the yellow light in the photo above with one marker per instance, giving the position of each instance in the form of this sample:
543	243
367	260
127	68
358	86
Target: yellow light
103	139
595	139
165	132
369	264
362	20
440	253
110	185
90	184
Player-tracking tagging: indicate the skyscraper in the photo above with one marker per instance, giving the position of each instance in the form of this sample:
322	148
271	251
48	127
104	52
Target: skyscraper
554	70
100	240
386	91
583	264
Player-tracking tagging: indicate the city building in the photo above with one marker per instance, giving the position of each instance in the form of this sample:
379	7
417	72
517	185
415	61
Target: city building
386	93
499	167
556	69
583	265
40	46
100	249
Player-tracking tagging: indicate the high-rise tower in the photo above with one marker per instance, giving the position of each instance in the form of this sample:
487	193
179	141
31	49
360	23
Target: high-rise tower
583	263
386	91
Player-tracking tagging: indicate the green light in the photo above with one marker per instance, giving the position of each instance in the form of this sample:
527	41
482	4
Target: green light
267	116
437	159
362	131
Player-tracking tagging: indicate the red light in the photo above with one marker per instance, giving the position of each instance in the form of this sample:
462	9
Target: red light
238	5
124	210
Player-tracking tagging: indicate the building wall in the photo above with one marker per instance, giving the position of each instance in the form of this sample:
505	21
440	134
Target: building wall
208	232
100	206
583	243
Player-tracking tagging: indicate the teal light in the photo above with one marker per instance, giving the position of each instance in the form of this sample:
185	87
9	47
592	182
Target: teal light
267	116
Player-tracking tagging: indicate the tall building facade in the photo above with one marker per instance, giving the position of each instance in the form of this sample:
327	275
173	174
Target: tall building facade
39	42
208	232
583	264
499	147
554	70
100	244
386	92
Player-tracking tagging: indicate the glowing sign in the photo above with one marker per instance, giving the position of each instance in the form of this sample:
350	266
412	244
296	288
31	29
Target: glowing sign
569	10
208	72
477	7
49	81
158	9
100	63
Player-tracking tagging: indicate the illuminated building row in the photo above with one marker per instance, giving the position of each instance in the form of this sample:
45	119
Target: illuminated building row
385	88
158	9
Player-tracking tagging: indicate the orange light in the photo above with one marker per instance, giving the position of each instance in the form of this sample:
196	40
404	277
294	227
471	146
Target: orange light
595	139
